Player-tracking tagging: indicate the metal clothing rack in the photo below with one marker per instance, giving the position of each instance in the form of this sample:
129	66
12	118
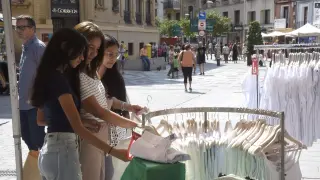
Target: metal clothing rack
279	47
206	110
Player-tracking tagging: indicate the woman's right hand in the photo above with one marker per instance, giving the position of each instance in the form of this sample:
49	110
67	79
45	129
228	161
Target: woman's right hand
121	154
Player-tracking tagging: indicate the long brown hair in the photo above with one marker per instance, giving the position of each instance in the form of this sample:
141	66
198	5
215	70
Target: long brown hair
91	31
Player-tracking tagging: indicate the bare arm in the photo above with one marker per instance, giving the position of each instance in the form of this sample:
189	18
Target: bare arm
40	118
91	106
69	108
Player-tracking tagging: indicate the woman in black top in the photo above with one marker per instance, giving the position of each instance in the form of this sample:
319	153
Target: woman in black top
56	94
201	58
235	53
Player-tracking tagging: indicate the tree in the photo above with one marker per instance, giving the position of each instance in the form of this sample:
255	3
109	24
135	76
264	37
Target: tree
222	24
254	38
185	27
166	26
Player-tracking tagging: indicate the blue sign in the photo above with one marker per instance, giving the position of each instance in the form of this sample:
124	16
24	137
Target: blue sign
202	15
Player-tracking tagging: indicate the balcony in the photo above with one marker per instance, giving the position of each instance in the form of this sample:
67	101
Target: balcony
138	18
148	19
171	4
127	18
225	2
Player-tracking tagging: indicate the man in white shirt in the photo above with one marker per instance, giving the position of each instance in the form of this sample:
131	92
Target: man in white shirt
210	49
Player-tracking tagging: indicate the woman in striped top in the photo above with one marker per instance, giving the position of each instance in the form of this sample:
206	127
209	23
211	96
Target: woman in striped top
96	106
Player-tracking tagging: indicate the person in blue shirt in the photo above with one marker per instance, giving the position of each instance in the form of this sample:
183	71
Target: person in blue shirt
32	50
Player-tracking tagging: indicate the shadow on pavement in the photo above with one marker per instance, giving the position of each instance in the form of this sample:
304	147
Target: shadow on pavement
195	92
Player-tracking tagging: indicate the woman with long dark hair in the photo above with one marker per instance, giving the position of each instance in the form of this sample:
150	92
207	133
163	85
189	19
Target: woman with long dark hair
56	94
115	87
95	104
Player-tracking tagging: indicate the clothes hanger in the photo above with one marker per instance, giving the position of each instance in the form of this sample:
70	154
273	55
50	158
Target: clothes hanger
271	132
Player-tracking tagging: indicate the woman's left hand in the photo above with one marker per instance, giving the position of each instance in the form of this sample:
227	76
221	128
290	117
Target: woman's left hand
134	108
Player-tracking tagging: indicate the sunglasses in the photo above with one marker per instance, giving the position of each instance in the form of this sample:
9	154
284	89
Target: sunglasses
22	28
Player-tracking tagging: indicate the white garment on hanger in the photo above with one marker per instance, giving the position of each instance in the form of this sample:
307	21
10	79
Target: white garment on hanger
156	148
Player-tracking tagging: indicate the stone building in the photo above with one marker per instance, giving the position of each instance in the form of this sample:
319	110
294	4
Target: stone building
131	21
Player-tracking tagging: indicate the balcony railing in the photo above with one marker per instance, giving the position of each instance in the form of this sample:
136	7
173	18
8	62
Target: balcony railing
127	18
148	19
171	4
225	2
138	18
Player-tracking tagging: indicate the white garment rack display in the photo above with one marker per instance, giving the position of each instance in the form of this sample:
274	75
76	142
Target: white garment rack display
206	110
280	47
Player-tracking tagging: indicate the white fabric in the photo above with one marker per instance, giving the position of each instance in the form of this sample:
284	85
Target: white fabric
306	30
156	148
291	86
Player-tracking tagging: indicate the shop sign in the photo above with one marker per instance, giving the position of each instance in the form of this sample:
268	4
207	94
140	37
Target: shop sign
176	30
65	9
237	28
255	66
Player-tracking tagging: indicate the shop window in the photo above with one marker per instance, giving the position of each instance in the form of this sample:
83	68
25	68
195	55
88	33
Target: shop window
130	49
45	38
141	45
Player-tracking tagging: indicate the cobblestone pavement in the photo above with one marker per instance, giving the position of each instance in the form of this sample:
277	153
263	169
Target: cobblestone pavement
221	86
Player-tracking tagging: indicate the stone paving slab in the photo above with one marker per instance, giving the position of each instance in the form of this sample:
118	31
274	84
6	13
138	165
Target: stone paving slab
221	86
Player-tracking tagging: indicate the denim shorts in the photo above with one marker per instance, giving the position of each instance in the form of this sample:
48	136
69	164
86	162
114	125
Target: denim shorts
59	157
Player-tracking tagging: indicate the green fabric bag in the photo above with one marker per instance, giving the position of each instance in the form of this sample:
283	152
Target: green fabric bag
140	169
175	63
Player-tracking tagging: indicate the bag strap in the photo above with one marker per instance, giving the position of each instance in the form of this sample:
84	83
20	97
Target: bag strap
181	56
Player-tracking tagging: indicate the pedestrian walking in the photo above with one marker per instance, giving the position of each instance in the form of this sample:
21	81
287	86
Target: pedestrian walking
210	50
171	63
122	58
187	62
201	58
235	53
226	52
95	104
145	59
32	50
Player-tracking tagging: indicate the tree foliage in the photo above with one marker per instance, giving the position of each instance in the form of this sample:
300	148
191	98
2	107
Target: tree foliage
254	36
222	24
166	26
185	27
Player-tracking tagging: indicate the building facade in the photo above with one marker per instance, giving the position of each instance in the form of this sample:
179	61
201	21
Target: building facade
285	9
241	13
307	11
131	21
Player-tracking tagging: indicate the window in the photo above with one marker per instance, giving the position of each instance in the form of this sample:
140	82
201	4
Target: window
155	12
178	16
305	15
190	10
266	16
225	14
115	5
169	16
141	45
130	49
138	6
285	14
251	16
127	5
148	7
99	3
237	17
